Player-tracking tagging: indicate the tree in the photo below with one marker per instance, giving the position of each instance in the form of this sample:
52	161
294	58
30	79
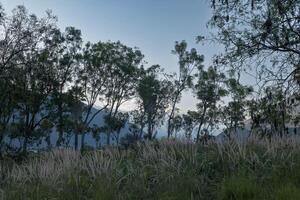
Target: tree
153	100
123	64
93	80
177	124
65	54
26	65
189	122
271	112
13	43
209	91
77	107
274	109
119	122
188	62
263	34
234	113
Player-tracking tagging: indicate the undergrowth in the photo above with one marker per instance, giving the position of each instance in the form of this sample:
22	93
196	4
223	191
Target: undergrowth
168	169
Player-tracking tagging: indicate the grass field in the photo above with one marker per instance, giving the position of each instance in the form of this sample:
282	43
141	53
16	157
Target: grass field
168	169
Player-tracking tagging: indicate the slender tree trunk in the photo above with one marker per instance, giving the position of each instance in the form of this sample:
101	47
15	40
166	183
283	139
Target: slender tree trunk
1	140
108	138
142	126
76	140
26	133
88	121
77	131
60	125
235	127
199	130
200	125
283	118
172	115
118	137
82	140
85	125
141	131
108	134
149	131
2	135
25	143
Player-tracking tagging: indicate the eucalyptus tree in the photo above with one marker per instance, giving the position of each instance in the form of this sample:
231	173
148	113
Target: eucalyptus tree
76	108
15	41
65	48
189	123
119	122
263	115
209	90
234	113
264	34
255	114
154	97
177	124
123	68
138	117
189	62
27	64
93	79
273	107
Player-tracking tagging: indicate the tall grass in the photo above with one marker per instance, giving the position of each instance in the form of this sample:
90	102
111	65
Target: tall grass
168	169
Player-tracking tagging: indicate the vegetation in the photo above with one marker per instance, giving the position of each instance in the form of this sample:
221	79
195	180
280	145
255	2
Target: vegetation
51	81
169	169
262	36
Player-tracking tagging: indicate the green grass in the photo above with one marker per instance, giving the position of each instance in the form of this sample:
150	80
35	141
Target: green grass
171	170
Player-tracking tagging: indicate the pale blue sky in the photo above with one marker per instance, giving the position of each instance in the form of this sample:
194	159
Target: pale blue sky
151	25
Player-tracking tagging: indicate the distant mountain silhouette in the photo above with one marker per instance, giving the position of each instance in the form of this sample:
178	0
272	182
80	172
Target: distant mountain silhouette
50	139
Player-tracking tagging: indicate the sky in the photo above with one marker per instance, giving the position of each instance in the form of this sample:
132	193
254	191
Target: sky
151	25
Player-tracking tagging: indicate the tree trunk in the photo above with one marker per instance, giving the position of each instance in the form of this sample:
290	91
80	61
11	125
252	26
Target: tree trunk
283	118
172	115
82	140
199	130
60	126
25	142
108	134
108	138
200	125
149	132
142	126
76	140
